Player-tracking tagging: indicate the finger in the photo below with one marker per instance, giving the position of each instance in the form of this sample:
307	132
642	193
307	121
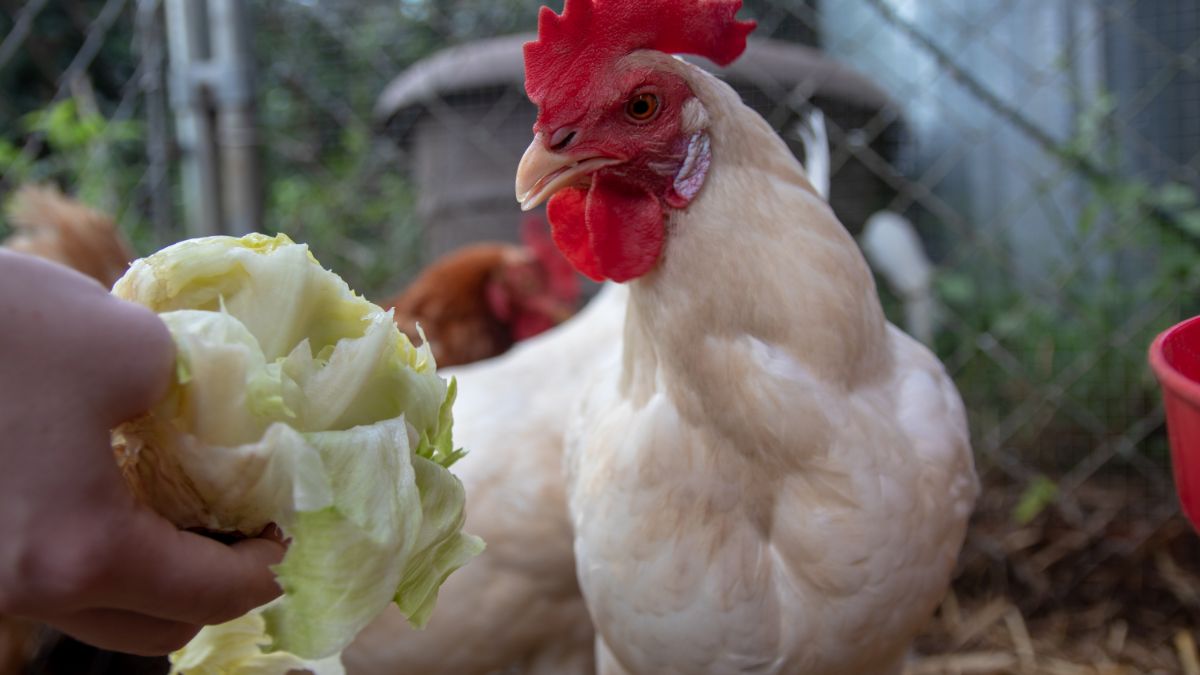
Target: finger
182	576
129	632
139	361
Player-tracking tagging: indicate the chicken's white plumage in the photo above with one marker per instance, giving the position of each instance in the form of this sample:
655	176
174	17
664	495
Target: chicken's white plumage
768	478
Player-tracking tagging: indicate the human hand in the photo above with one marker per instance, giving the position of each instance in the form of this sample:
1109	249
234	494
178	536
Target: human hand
76	550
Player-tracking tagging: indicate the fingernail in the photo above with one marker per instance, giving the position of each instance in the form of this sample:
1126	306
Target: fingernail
273	533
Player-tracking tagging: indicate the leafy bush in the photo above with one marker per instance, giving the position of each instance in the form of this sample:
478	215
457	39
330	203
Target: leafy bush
1051	370
97	159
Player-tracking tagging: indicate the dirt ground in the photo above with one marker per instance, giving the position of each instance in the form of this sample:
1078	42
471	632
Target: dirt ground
1105	583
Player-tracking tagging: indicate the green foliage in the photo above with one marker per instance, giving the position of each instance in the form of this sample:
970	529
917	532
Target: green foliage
356	213
15	164
1056	365
89	156
64	126
84	150
1037	495
73	142
33	76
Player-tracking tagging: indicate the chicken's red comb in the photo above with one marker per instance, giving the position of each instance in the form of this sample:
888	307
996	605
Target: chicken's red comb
591	33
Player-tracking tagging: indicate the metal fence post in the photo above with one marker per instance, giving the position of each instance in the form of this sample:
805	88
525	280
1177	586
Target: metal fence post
152	45
237	136
186	37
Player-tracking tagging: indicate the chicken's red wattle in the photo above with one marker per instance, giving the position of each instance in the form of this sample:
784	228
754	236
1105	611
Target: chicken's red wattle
612	230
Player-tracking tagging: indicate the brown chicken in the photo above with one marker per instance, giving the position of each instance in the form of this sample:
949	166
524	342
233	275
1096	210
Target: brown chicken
476	302
51	225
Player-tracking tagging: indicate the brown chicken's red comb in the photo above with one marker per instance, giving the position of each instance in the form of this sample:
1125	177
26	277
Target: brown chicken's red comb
591	33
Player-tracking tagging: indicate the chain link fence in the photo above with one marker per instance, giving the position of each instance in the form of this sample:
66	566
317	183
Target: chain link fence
1045	153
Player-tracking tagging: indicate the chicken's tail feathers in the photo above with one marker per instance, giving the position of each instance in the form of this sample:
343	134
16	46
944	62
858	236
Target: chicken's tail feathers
51	225
811	130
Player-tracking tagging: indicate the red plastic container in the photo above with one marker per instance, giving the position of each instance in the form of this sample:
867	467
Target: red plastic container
1175	358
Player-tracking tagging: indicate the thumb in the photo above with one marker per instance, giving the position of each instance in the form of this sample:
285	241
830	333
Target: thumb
138	363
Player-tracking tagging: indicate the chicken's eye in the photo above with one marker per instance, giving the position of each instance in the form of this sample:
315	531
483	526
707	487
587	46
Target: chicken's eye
642	107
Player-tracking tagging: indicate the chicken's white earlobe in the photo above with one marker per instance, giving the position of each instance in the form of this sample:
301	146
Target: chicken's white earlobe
690	177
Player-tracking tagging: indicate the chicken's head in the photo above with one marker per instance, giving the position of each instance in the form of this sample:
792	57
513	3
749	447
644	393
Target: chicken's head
620	136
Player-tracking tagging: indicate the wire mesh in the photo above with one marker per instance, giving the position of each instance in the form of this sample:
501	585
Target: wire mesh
1047	153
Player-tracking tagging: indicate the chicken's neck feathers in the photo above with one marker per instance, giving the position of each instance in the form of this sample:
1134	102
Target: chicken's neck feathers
757	254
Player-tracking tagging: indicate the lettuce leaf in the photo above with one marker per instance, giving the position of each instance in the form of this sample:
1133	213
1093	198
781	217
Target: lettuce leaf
297	403
237	647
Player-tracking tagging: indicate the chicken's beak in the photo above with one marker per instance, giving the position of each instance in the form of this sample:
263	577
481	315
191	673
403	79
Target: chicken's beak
541	172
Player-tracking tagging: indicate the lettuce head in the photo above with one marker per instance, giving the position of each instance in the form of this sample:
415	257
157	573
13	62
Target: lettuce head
299	403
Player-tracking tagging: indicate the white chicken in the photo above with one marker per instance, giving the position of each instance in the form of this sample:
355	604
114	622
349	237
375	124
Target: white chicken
768	477
518	605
